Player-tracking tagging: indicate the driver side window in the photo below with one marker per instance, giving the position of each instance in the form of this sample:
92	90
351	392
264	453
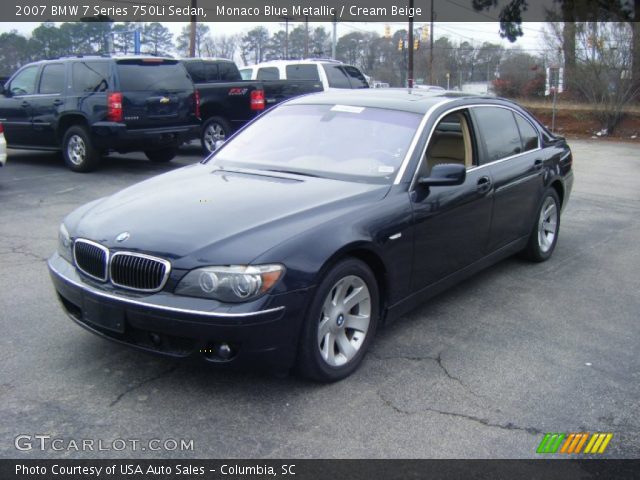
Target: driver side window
25	82
449	143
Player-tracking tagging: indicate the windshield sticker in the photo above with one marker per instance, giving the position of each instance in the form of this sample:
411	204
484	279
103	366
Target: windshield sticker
347	109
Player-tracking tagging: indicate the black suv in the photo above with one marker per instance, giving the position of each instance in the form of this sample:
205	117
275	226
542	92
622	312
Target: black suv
87	106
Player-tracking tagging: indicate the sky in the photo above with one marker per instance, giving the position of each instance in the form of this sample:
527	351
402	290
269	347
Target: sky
473	32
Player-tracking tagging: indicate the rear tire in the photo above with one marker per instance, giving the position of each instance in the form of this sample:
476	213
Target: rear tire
161	156
78	151
341	322
214	129
544	236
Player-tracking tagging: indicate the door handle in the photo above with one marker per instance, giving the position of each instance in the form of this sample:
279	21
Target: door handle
58	102
484	184
25	104
537	164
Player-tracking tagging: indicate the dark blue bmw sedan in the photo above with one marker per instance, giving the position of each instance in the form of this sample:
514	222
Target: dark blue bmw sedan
312	226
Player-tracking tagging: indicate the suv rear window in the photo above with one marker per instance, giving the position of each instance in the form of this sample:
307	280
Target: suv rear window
139	75
345	76
302	72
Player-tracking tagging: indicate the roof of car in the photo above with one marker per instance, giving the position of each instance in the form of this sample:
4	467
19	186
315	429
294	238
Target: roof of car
411	100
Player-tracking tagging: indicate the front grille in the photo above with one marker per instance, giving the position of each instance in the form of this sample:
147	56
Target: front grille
91	259
140	272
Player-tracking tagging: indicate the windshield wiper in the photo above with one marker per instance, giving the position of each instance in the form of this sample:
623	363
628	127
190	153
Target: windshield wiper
293	172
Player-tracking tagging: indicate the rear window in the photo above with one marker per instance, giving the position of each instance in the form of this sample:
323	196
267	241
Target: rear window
90	76
196	70
268	73
245	73
228	72
302	72
140	75
345	76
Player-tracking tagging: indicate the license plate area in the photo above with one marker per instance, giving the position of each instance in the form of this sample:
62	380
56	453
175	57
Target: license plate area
104	316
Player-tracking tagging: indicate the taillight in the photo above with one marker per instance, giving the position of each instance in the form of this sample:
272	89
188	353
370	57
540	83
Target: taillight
1	128
196	99
114	107
257	100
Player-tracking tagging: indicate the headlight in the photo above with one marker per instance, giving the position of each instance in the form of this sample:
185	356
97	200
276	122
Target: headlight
65	244
230	284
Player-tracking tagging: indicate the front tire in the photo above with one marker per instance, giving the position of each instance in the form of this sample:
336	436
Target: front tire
341	322
214	129
161	156
544	236
78	151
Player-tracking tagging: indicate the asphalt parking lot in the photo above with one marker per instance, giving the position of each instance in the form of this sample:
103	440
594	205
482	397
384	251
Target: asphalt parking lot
482	371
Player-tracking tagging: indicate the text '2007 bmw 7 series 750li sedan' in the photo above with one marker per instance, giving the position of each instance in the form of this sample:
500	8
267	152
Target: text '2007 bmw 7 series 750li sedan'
313	225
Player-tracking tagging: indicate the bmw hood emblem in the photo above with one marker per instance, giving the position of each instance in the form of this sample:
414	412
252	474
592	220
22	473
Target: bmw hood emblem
122	237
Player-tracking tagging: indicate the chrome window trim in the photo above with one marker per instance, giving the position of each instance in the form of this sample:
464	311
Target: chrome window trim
477	167
106	260
153	306
165	278
416	139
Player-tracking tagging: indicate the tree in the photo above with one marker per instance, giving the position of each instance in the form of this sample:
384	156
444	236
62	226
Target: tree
276	46
202	33
47	41
124	37
254	43
520	75
13	52
226	45
604	66
157	39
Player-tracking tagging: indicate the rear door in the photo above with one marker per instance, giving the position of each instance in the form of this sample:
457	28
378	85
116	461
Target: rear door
15	107
510	146
156	93
46	105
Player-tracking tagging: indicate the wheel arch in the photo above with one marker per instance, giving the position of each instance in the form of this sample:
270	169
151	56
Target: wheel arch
68	120
558	186
368	254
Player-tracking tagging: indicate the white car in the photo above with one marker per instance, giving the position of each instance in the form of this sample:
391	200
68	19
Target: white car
331	73
3	147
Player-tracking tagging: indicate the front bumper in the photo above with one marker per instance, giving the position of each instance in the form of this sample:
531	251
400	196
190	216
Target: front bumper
263	334
116	136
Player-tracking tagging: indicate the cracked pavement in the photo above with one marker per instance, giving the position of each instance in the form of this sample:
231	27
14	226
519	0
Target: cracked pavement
481	371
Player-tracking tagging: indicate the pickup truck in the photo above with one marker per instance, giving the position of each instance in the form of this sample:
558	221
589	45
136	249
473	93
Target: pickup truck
227	102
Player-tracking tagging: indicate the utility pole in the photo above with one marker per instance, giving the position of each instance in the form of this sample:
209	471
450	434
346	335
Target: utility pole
286	36
410	50
334	37
431	47
192	33
306	36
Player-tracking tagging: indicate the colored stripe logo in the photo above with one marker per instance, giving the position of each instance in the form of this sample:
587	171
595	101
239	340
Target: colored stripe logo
573	443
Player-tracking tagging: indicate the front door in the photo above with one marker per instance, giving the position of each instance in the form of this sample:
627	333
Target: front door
451	224
15	107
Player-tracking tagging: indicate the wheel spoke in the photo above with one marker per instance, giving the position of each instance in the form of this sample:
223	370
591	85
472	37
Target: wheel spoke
340	291
357	322
323	328
359	294
344	345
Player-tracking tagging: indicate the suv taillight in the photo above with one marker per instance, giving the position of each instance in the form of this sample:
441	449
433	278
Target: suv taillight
114	107
1	128
257	100
196	99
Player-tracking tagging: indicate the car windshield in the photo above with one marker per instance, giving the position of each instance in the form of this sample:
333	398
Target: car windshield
341	142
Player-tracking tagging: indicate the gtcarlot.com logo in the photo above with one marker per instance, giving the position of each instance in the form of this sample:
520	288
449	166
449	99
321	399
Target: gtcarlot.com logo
45	442
573	443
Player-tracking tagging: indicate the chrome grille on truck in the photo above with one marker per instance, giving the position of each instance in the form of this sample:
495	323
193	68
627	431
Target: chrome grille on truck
136	271
91	259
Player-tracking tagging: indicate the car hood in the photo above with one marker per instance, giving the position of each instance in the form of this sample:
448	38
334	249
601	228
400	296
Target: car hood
210	214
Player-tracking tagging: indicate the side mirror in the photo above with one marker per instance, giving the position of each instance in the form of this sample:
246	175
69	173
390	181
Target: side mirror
2	89
445	174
